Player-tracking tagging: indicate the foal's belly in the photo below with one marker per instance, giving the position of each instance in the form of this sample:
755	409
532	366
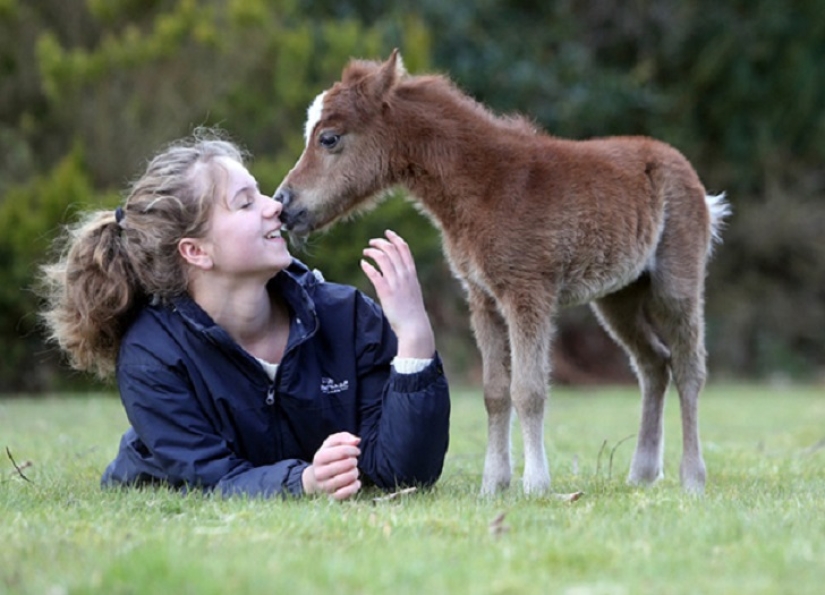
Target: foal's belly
577	286
583	289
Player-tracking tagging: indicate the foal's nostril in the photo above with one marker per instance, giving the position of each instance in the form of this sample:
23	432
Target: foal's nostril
283	196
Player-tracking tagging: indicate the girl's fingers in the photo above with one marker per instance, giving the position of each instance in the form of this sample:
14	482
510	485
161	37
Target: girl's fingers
328	472
327	457
340	483
335	466
347	491
403	249
379	256
395	248
383	251
340	438
392	264
375	277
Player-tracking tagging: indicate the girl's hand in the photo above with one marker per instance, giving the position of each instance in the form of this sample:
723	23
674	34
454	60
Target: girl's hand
334	468
397	287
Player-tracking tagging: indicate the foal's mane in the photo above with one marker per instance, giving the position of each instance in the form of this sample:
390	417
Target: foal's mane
436	89
441	90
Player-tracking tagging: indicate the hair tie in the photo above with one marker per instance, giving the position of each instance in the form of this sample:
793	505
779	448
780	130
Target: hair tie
119	215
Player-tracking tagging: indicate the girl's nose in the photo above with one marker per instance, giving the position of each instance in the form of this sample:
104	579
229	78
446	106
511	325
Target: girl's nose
272	207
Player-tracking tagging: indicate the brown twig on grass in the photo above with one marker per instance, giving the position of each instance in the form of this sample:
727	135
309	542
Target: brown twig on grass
17	467
571	497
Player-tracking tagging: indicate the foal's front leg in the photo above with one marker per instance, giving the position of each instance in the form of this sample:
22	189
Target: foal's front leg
491	336
530	334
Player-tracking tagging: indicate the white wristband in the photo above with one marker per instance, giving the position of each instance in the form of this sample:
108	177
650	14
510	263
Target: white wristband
410	365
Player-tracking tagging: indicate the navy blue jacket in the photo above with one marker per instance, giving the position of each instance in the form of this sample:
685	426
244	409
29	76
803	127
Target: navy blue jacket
205	414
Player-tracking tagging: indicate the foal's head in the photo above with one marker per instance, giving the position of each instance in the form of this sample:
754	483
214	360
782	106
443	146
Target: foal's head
346	159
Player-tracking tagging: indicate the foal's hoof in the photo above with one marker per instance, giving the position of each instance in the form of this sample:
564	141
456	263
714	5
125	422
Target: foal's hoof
693	479
644	479
694	489
536	486
490	487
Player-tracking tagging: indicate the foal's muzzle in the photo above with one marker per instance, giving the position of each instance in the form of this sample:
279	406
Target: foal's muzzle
295	218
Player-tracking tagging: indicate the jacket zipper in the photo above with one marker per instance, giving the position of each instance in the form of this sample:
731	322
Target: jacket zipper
270	394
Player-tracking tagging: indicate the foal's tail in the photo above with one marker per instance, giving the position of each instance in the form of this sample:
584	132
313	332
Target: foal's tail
719	211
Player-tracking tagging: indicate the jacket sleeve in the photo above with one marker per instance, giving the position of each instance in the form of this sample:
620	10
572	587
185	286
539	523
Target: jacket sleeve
173	441
405	418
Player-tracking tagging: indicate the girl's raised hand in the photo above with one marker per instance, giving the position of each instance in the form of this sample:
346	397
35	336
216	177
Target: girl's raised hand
396	285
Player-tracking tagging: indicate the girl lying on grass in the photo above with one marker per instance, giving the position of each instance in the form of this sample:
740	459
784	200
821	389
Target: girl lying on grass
240	370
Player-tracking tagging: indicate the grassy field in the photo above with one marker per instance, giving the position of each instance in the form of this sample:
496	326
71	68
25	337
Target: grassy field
760	528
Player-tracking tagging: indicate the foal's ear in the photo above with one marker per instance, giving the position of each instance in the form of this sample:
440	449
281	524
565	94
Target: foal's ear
389	73
397	63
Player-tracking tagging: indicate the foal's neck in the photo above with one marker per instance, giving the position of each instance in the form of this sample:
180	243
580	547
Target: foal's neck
450	149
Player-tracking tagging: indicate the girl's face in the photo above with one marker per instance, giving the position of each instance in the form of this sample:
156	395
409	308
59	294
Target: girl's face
244	237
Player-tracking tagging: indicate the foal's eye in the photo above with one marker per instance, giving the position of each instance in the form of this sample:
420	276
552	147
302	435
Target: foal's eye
329	140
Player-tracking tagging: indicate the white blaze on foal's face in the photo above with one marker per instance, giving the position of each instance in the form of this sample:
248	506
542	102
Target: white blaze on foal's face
314	115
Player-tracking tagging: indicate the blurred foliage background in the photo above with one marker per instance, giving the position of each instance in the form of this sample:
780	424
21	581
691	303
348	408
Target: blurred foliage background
90	89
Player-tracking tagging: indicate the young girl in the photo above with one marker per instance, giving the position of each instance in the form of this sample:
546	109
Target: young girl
239	369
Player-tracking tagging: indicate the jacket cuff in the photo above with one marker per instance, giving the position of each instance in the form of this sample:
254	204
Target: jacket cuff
411	383
294	483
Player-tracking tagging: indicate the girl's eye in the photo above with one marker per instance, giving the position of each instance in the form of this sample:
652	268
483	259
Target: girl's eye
249	199
329	140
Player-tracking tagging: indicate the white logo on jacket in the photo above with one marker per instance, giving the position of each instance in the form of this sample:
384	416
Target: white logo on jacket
330	387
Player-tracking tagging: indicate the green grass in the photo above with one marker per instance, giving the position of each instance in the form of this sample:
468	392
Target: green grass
760	528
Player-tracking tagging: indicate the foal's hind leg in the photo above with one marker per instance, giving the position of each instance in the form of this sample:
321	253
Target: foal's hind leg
680	320
491	337
623	316
677	310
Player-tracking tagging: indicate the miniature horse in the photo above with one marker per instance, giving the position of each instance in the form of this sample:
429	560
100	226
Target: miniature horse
530	224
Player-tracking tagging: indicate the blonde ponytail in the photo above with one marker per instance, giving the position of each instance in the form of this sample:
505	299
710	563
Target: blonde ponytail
112	262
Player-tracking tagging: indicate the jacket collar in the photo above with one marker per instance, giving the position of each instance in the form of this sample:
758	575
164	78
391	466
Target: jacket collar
295	284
